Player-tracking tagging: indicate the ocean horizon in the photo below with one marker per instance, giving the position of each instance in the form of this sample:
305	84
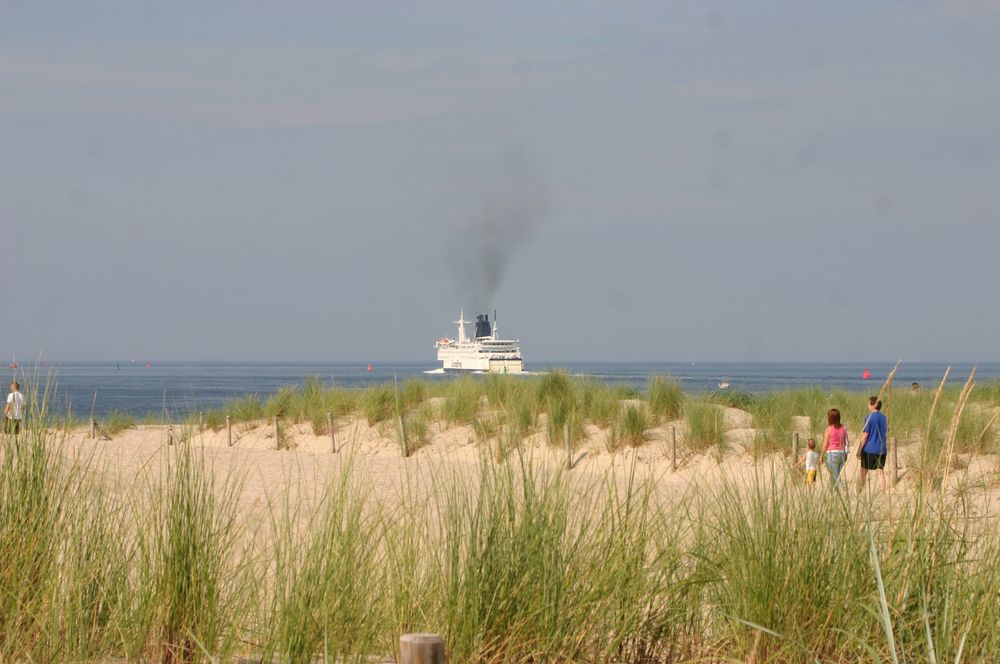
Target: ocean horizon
180	388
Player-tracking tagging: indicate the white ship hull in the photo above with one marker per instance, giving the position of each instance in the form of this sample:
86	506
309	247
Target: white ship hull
485	353
471	359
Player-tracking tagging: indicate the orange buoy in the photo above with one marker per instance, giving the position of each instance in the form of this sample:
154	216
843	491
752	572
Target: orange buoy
866	374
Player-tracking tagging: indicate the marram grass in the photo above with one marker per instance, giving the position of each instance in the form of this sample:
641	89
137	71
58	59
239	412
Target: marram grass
521	400
517	562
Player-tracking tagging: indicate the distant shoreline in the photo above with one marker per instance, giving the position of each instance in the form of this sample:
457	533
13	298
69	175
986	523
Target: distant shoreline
188	388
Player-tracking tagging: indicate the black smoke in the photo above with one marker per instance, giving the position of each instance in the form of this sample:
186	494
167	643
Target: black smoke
500	211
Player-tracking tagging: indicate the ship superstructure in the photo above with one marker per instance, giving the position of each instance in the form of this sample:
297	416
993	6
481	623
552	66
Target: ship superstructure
484	352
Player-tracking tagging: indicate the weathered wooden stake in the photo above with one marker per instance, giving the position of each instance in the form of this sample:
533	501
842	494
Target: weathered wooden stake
498	449
421	649
569	447
673	449
893	463
277	435
170	434
795	447
93	427
402	436
329	427
229	430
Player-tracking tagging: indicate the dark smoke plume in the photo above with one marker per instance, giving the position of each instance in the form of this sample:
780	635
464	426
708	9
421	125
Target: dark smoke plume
500	213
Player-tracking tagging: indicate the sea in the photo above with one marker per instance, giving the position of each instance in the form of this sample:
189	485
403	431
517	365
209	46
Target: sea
178	389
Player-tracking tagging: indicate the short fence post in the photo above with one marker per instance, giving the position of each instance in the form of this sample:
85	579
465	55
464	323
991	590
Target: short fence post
795	447
229	430
402	435
329	427
894	463
498	450
277	435
421	649
93	427
569	447
673	449
170	434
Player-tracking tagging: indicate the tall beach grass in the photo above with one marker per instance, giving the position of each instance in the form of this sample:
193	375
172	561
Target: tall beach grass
515	561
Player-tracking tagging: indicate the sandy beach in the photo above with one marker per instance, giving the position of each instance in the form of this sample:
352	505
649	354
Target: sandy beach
374	452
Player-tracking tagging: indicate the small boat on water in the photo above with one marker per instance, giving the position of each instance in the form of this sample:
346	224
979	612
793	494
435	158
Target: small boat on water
724	385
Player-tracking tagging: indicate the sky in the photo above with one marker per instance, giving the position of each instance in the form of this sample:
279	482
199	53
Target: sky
621	181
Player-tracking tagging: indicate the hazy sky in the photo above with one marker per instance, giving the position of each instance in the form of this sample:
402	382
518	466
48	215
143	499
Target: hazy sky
621	180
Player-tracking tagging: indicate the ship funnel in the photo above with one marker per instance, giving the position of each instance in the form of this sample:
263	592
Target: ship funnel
483	326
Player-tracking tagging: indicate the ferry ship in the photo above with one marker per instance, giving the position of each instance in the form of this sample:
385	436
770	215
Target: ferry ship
485	352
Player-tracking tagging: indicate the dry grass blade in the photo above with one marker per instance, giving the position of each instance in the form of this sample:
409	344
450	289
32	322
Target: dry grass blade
887	385
925	452
926	447
930	415
885	392
982	434
953	430
949	449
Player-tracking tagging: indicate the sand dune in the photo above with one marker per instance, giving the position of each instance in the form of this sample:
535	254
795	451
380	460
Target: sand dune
375	452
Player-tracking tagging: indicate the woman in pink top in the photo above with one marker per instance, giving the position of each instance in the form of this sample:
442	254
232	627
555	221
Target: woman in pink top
835	446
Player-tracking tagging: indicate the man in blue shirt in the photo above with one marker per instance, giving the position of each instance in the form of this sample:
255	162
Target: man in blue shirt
873	447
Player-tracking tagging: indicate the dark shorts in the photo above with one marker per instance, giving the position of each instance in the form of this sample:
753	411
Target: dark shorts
872	461
11	426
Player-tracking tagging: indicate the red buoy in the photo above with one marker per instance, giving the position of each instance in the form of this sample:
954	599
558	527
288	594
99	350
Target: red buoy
867	374
371	368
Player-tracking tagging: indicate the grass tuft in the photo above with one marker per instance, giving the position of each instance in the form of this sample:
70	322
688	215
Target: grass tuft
629	427
665	398
706	427
378	403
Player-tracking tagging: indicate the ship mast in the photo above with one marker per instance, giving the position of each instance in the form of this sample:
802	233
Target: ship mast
461	326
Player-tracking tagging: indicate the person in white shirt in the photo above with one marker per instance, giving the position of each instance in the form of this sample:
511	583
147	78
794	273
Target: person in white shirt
13	414
811	462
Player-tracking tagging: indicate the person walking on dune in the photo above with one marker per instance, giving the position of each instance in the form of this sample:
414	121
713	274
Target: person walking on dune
872	447
14	412
811	462
835	448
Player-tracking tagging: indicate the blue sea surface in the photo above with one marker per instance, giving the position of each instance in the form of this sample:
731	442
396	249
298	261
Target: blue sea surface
180	388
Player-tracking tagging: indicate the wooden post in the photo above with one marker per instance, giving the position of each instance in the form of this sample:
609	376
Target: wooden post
402	436
673	449
498	450
329	427
93	427
795	447
399	416
170	434
229	430
569	447
277	435
893	463
421	649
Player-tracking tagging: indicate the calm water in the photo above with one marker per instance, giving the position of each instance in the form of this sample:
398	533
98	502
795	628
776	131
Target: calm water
184	387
